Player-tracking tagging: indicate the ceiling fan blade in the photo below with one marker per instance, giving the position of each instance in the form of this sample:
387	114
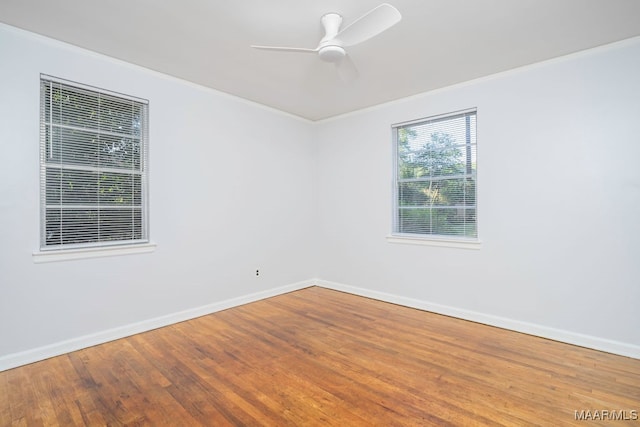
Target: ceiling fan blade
286	49
369	25
347	70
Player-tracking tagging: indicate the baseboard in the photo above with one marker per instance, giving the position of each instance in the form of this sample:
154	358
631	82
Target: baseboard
41	353
588	341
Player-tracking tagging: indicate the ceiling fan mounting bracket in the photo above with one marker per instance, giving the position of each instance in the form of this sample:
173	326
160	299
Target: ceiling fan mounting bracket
331	23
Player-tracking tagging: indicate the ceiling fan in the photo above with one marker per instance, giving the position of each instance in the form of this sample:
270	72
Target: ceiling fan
332	46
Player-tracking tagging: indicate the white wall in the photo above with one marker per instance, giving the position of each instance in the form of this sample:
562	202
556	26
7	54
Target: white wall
231	190
559	202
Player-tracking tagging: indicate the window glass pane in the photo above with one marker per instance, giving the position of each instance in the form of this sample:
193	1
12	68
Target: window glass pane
77	226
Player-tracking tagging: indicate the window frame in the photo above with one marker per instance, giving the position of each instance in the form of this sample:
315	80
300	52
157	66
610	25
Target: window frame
97	247
452	241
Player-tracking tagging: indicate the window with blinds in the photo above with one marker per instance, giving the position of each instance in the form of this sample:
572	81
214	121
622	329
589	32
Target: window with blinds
92	166
435	177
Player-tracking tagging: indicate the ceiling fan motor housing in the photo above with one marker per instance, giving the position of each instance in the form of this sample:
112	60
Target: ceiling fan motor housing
331	53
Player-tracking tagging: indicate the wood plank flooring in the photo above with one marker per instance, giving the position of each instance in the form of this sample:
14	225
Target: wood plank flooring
326	358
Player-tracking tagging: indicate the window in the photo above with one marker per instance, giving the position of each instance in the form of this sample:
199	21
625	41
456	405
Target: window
435	177
93	167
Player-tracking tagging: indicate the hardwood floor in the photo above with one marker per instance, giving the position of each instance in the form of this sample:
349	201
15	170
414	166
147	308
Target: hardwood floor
321	357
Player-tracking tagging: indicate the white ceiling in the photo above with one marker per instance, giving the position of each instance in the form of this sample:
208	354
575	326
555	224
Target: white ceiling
437	43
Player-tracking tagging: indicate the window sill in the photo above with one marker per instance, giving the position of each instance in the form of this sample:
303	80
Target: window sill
71	254
426	241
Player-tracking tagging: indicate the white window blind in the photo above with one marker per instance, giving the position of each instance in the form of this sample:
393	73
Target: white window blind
435	179
93	159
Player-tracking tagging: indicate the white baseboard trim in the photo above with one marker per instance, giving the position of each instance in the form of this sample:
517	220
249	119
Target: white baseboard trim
588	341
41	353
